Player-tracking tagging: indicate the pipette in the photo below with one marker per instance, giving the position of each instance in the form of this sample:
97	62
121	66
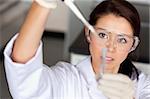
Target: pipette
76	11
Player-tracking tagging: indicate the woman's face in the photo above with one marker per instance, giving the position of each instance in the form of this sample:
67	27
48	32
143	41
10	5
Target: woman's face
115	26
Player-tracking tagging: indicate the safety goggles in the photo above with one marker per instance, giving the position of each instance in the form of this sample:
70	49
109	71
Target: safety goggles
121	41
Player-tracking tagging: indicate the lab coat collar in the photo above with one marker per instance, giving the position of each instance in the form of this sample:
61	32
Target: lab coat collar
85	68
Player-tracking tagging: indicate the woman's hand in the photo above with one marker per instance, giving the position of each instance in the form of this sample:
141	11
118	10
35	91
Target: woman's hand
116	86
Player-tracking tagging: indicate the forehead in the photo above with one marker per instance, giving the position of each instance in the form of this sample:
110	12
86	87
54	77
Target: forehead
116	24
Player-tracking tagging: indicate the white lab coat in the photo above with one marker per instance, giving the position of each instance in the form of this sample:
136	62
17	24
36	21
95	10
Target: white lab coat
34	80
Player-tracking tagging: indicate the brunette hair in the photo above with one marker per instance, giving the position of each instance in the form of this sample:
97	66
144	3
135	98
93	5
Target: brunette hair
126	10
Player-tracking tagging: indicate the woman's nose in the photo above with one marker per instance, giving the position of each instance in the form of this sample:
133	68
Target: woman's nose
111	45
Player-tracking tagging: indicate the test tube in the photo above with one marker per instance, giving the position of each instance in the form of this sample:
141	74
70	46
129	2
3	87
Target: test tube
103	63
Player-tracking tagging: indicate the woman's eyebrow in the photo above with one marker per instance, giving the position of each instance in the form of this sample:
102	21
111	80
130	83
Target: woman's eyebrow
100	28
121	33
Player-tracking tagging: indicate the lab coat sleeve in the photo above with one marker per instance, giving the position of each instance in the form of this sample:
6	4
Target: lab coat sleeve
26	80
144	87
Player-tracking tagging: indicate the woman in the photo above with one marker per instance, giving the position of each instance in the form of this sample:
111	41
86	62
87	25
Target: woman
117	25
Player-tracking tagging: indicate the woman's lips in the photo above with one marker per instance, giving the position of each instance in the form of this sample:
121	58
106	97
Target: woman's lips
108	59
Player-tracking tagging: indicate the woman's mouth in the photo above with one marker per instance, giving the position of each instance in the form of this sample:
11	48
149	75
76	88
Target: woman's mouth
108	59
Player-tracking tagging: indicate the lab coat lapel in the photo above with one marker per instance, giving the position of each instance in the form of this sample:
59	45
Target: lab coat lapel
85	68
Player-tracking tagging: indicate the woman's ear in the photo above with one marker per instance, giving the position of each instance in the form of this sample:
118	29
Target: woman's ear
87	34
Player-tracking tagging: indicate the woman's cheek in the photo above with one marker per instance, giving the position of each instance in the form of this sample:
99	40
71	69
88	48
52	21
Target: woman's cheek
95	50
122	57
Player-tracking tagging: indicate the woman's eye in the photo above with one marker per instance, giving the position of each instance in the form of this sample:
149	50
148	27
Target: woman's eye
103	35
122	40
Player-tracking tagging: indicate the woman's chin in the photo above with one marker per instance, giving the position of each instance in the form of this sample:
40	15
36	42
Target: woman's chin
110	70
